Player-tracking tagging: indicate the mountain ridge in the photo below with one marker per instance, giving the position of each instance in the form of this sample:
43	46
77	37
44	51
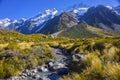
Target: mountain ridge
103	17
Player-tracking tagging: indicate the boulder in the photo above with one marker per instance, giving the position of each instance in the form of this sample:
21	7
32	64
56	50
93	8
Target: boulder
77	57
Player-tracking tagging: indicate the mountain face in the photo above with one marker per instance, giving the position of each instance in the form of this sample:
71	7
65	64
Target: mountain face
75	6
84	30
7	24
104	19
61	22
101	14
36	23
4	23
78	9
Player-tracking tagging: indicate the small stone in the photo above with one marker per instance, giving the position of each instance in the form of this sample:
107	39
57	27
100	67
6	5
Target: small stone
43	69
34	71
50	64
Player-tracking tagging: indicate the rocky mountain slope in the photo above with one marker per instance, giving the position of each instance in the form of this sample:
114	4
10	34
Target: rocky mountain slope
99	21
84	30
61	22
102	17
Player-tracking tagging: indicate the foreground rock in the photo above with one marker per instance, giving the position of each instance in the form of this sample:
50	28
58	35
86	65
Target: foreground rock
77	57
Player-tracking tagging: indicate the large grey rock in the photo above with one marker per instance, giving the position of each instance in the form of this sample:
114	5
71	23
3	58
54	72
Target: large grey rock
78	57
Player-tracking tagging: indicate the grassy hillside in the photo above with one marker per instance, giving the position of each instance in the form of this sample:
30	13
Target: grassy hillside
19	52
83	30
101	55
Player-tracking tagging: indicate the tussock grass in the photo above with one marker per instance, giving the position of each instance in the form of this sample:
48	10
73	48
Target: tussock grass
101	60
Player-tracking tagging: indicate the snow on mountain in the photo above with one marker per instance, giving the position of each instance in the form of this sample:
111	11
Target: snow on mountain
80	11
44	16
1	22
4	23
31	24
113	9
15	21
37	22
41	18
7	24
75	6
109	7
117	9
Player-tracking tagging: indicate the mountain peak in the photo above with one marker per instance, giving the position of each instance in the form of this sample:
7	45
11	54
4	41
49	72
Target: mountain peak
52	11
47	13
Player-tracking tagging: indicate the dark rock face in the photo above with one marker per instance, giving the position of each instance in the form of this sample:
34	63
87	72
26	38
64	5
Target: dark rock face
53	76
28	28
63	71
101	14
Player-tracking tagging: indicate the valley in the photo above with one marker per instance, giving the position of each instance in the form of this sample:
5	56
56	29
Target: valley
79	42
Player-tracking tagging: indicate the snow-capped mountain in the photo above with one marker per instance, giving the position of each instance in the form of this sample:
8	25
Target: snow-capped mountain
31	25
75	6
4	23
44	16
78	9
7	24
102	17
37	22
50	18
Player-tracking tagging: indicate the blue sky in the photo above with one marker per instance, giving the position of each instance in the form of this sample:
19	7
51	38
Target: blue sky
16	9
